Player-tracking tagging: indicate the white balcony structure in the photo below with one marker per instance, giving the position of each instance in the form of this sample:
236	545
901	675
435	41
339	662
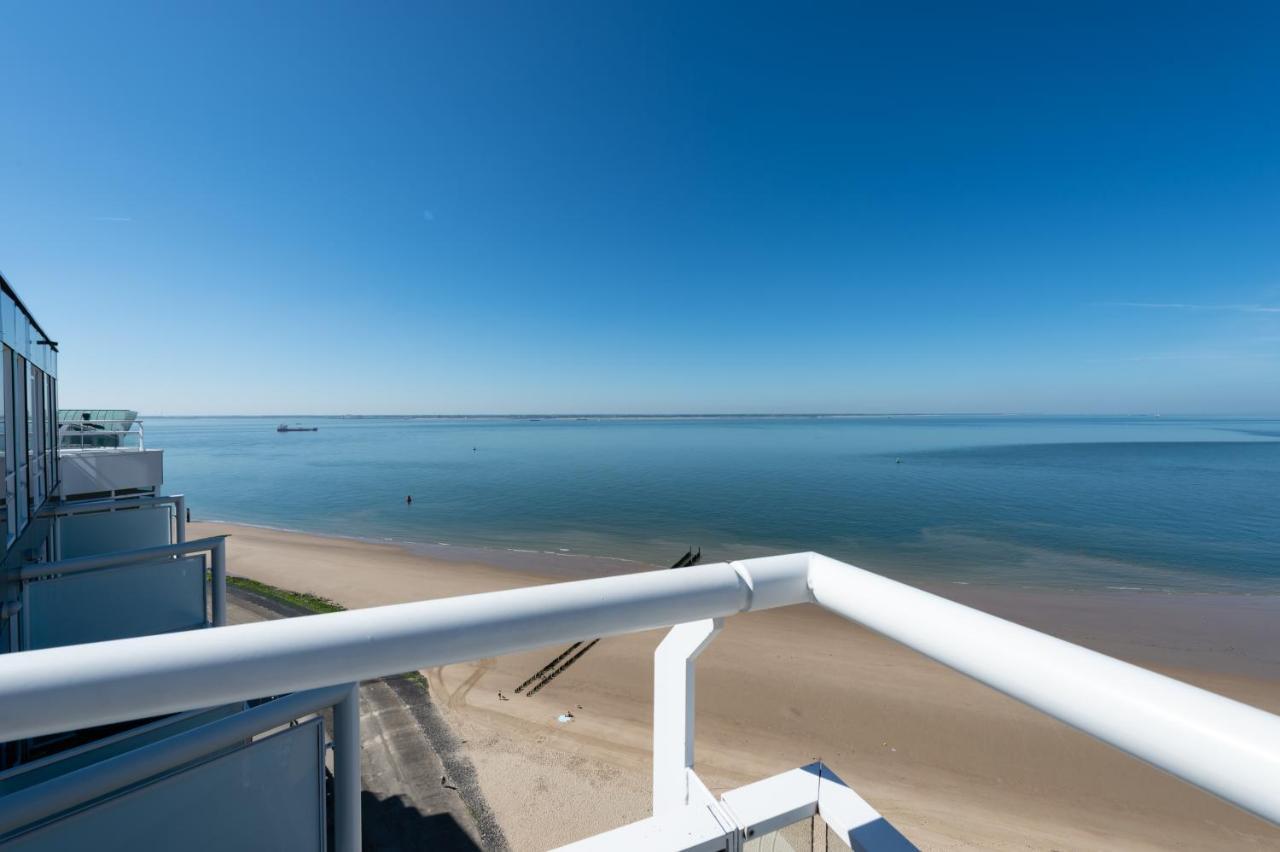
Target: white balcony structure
1225	747
103	470
104	453
103	457
110	494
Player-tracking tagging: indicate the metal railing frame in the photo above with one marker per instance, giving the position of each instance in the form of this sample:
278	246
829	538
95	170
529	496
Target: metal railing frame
216	546
65	792
1225	747
65	432
72	508
729	822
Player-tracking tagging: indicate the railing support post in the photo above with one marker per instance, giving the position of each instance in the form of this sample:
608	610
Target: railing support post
219	583
180	515
673	710
346	772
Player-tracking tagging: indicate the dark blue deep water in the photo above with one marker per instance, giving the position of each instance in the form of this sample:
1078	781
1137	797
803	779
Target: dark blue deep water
1152	503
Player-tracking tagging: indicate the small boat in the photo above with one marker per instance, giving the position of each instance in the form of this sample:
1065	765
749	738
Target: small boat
285	427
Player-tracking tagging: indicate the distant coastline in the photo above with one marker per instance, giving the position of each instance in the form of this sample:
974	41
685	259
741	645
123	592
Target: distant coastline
721	416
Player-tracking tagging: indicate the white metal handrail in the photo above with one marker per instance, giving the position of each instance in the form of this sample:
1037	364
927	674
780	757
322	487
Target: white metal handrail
1223	746
68	433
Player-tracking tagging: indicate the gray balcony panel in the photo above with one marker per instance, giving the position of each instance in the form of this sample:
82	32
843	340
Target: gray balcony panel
160	596
54	766
267	795
108	532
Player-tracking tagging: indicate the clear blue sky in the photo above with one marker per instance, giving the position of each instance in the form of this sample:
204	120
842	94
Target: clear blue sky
644	207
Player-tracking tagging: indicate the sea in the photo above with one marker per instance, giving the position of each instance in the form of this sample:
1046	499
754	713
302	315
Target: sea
1124	504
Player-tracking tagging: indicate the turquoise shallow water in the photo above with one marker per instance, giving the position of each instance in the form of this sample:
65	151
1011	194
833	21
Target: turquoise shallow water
1151	503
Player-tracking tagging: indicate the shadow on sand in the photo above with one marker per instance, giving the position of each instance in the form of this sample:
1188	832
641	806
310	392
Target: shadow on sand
390	824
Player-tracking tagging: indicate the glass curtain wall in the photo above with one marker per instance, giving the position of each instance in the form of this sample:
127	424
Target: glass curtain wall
18	427
6	517
28	434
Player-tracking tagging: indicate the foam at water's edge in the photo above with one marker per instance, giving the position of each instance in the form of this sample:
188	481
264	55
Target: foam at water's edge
508	558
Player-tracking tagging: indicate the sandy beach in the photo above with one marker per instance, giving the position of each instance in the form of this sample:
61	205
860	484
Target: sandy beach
952	763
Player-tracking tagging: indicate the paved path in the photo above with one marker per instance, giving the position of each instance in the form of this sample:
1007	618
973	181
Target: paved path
420	790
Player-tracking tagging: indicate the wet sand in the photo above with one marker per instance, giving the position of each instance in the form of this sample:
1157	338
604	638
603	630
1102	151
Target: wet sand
952	763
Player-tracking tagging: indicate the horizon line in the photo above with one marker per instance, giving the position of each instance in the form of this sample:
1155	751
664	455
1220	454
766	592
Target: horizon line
721	415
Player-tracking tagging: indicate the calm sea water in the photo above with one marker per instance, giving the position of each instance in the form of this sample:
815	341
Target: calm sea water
1152	503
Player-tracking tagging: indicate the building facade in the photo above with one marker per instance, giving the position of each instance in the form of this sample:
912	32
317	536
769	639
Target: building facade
29	359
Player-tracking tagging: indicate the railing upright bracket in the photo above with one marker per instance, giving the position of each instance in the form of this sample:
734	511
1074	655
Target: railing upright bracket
673	710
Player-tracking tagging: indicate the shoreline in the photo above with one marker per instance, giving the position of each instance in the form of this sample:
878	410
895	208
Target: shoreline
564	564
497	557
952	763
1264	418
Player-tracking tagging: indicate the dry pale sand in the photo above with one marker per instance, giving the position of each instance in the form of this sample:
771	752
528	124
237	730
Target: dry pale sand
952	763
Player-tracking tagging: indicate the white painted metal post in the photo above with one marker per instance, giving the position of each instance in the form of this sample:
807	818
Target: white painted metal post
346	772
219	583
673	710
180	516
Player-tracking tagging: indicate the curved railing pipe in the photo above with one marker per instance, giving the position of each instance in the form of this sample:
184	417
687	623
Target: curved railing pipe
1221	745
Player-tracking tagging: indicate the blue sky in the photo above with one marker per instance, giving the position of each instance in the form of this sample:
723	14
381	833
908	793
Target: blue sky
644	207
